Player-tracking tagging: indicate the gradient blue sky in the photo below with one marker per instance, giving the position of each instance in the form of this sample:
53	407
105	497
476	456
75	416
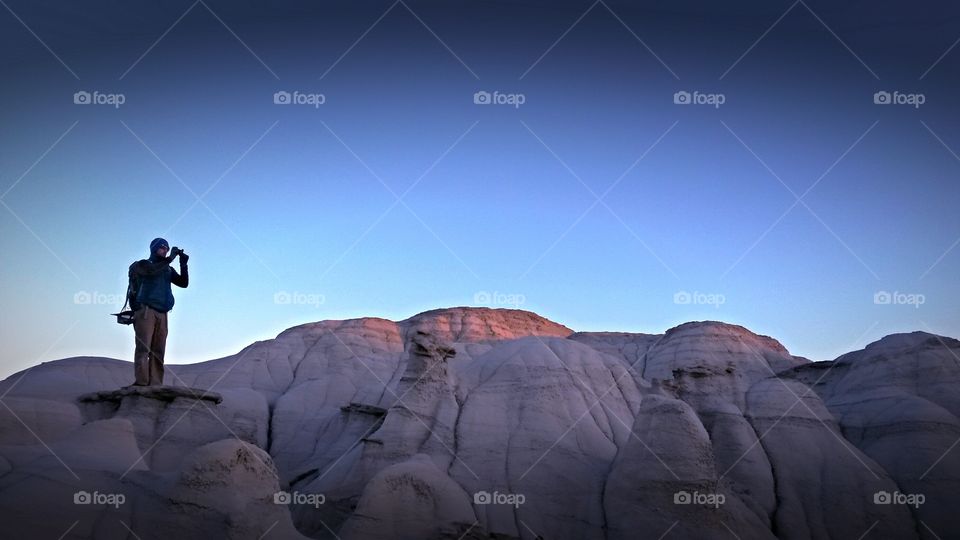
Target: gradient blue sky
298	196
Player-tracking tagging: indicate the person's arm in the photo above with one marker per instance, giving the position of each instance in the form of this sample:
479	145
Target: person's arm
146	268
183	278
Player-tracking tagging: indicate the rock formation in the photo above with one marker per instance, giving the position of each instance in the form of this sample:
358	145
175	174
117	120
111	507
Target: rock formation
478	423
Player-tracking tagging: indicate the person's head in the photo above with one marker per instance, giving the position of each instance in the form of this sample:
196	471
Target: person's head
159	247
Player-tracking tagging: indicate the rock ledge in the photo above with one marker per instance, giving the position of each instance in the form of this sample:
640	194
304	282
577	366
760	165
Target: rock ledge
161	392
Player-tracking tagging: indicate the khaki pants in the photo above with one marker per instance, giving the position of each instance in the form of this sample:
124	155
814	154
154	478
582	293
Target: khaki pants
150	328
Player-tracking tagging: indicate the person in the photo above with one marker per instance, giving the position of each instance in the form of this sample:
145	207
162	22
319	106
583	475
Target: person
150	302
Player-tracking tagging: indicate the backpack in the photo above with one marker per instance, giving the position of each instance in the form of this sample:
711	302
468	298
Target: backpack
133	287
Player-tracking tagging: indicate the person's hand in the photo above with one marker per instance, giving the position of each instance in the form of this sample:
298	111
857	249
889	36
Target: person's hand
183	257
175	251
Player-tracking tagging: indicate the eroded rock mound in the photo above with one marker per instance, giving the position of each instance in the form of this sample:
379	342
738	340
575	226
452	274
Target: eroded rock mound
476	423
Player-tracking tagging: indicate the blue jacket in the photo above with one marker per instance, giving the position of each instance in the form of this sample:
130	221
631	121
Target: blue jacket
152	278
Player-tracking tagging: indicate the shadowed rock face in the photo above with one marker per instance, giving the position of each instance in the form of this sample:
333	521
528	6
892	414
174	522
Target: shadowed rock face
472	422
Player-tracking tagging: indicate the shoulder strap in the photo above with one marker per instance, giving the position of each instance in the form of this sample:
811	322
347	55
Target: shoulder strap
126	299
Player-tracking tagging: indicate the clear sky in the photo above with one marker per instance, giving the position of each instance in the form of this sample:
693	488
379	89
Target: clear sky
298	217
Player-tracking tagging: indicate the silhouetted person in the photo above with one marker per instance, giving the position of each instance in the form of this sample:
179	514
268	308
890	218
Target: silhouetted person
150	300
